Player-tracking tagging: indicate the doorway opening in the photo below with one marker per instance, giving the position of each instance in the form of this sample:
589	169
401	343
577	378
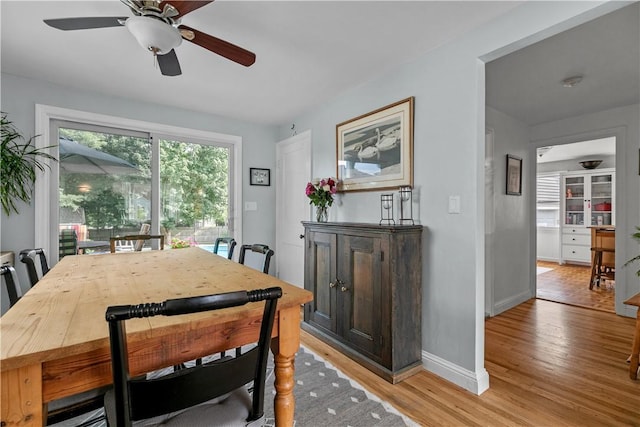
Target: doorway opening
575	194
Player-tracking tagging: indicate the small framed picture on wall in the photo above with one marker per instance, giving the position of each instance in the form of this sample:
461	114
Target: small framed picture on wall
514	175
260	176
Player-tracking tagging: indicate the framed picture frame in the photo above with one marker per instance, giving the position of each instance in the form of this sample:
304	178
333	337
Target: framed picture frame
514	175
375	150
258	176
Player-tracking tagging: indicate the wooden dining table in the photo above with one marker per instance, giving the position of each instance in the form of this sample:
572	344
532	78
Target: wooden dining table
55	341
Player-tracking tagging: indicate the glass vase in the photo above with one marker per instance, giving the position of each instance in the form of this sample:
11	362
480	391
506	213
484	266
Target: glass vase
322	213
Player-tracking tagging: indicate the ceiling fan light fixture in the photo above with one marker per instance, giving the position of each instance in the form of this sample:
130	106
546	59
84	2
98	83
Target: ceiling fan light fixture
572	81
153	34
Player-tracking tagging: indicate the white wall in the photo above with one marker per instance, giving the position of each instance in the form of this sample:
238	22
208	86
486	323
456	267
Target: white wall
448	85
511	252
19	97
624	123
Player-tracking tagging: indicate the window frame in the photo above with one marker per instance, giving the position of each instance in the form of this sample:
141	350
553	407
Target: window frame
46	185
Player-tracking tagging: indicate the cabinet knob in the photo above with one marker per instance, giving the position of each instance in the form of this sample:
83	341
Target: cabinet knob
344	289
336	283
301	236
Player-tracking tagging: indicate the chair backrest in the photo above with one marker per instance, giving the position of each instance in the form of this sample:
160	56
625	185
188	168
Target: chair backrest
68	243
230	242
139	398
144	230
137	238
12	283
28	257
258	249
605	241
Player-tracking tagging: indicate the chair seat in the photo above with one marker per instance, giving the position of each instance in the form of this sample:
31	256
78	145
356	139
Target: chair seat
221	411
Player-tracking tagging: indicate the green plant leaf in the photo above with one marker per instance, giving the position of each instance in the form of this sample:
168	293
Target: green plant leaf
19	162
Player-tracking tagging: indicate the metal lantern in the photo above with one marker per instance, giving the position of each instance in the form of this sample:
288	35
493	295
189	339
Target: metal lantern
406	205
386	209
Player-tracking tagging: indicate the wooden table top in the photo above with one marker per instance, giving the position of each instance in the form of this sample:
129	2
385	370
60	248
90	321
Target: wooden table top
634	300
63	314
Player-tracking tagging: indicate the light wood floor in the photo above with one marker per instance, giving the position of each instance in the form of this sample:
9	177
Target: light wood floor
569	284
549	364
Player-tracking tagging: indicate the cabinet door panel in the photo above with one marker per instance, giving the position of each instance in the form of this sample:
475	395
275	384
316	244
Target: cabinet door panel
321	272
360	293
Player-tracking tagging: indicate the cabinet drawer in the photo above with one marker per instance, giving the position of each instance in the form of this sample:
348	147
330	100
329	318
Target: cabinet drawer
576	239
576	230
576	253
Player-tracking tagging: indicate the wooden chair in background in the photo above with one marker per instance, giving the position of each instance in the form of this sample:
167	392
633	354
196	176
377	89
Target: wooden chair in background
67	243
139	240
134	242
603	263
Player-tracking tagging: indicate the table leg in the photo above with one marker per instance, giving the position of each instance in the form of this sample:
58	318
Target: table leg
284	349
22	397
635	350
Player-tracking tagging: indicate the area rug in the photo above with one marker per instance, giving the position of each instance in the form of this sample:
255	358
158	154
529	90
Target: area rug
324	397
540	270
327	397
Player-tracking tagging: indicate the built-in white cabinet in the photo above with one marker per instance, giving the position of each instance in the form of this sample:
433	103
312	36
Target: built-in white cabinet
588	200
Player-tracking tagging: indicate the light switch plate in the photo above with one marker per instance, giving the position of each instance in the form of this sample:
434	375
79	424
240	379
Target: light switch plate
454	204
250	206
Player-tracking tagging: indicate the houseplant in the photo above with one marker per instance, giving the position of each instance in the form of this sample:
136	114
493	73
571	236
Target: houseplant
320	194
19	161
636	236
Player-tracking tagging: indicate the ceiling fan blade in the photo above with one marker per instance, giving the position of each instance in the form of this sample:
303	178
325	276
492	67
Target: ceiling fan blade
221	47
85	23
169	65
184	7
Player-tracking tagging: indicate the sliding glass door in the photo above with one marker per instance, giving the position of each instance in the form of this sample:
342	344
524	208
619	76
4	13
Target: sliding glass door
110	185
104	183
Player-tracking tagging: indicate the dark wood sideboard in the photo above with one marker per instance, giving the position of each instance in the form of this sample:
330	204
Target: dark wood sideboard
366	281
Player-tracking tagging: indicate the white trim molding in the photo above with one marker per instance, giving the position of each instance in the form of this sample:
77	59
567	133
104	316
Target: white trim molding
475	382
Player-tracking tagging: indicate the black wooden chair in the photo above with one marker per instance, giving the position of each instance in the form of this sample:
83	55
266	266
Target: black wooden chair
11	281
229	241
258	249
214	393
28	257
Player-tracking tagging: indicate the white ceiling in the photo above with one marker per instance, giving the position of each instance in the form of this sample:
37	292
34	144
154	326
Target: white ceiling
308	52
527	84
596	149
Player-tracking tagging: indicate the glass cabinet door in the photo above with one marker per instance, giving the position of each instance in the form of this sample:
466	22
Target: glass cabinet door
601	200
574	200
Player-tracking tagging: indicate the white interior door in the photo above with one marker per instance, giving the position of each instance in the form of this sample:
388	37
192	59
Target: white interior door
293	171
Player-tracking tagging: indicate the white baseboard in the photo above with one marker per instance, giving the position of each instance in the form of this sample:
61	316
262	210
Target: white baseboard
475	382
511	302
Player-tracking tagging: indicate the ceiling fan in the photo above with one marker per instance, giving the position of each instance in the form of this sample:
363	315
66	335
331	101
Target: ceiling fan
157	28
